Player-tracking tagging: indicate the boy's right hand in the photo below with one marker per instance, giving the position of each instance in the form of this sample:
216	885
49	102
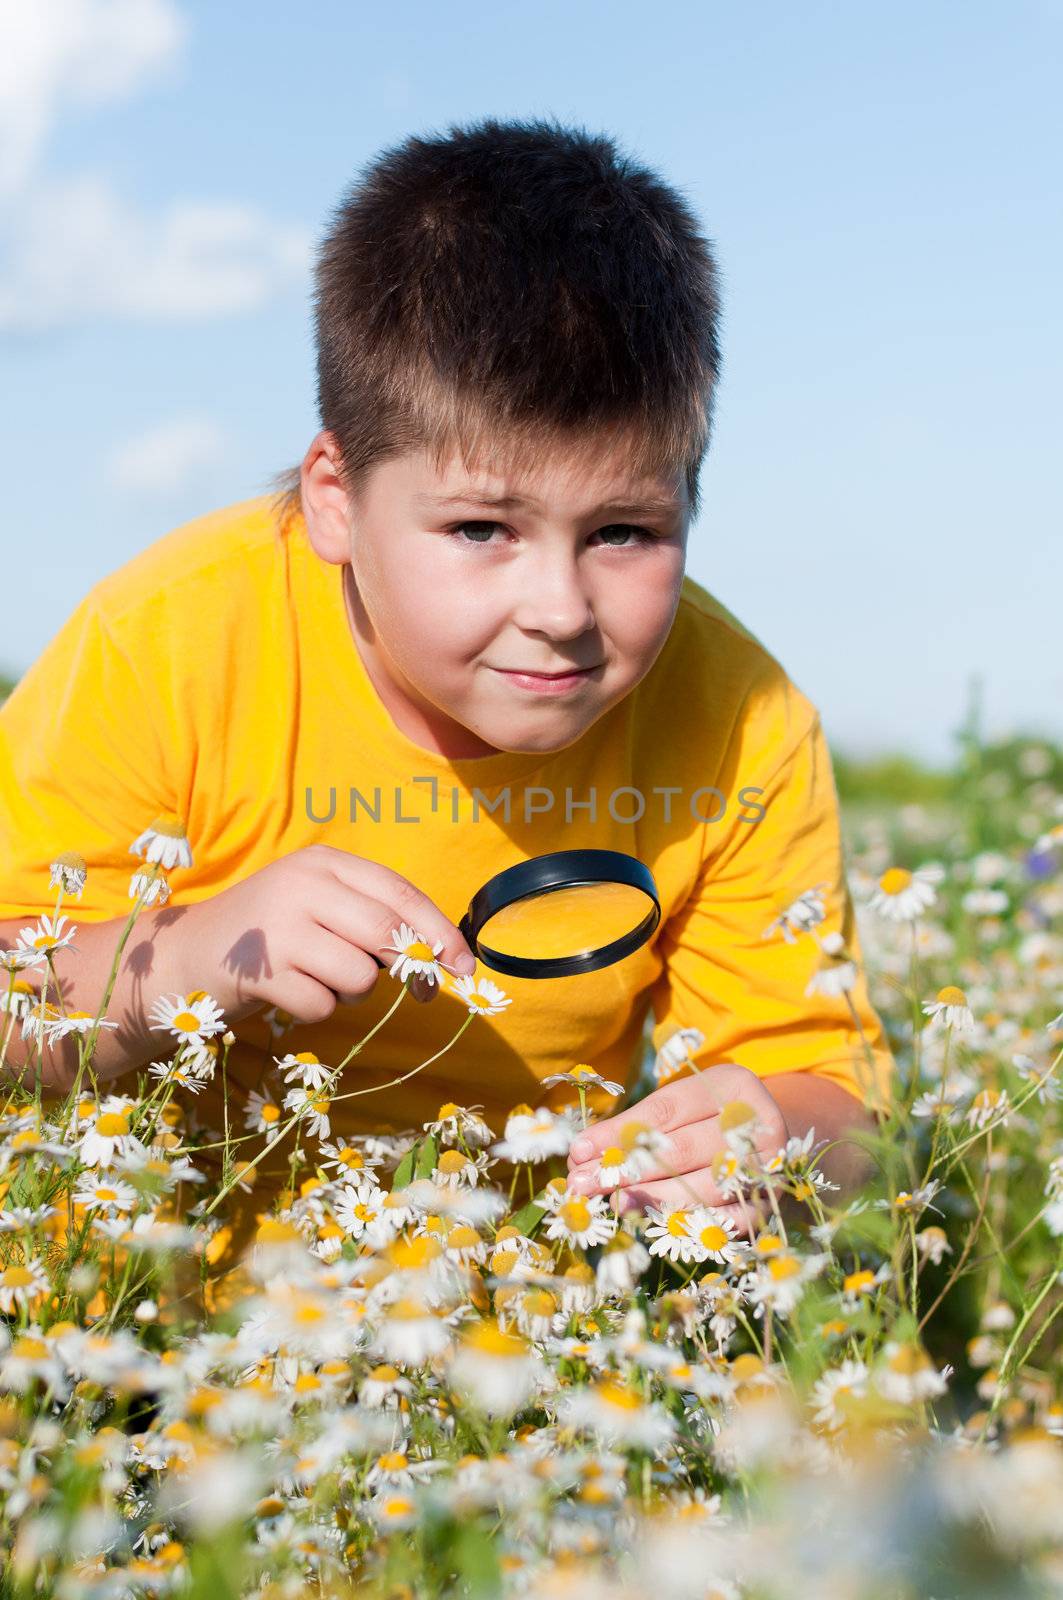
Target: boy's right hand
309	932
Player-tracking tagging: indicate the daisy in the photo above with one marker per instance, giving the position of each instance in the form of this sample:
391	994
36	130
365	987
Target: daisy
175	1074
902	896
68	872
50	934
800	916
312	1109
908	1375
933	1244
583	1076
481	996
165	843
455	1169
55	1028
492	1368
347	1160
582	1220
987	1106
109	1133
950	1007
668	1230
676	1052
833	979
617	1166
108	1194
410	1332
191	1018
415	955
304	1068
456	1124
278	1021
358	1207
836	1389
18	958
149	883
609	1407
778	1283
621	1264
20	1283
261	1114
535	1135
713	1231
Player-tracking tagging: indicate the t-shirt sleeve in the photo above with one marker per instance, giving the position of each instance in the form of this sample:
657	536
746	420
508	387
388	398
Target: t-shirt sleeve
746	992
82	767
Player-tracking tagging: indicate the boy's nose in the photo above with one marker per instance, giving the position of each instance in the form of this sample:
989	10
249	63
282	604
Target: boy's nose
554	602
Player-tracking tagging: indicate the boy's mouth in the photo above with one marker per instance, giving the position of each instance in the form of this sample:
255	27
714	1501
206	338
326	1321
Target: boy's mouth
546	682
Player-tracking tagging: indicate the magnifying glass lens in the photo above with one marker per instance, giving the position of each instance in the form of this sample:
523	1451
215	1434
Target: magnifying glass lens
570	920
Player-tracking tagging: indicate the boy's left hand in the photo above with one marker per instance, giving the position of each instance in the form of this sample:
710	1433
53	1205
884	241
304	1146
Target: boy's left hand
688	1112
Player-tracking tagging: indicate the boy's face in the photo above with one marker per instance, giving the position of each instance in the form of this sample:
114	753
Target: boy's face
452	600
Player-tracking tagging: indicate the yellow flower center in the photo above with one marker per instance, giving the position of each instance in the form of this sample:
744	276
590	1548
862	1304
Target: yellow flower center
106	1194
677	1224
859	1282
576	1215
714	1237
951	996
186	1022
582	1070
615	1394
894	880
269	1113
393	1461
613	1157
447	1109
320	1105
112	1124
169	827
452	1161
768	1244
419	951
781	1267
29	1349
307	1058
17	1278
488	1339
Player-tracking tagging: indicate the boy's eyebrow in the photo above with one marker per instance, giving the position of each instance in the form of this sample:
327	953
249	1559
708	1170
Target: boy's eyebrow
646	506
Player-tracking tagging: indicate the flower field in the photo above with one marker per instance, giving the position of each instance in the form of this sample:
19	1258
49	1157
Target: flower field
440	1371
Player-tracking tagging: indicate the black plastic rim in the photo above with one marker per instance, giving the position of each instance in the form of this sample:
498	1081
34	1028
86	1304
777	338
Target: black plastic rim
559	869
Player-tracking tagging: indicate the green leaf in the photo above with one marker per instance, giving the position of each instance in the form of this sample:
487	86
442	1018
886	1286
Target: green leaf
404	1170
426	1158
528	1218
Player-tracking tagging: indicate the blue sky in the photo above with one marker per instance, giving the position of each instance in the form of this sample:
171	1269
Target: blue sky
881	187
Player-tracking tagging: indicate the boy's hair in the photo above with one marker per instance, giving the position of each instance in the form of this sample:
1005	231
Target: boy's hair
513	280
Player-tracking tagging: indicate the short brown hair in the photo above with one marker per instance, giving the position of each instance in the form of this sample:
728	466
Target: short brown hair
520	280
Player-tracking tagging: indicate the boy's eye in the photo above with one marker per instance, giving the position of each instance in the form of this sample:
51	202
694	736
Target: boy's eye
480	533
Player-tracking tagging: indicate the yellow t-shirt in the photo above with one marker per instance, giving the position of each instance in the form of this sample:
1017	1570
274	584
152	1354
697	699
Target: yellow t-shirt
215	676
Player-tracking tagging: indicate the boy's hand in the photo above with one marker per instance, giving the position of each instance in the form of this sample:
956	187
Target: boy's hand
688	1113
309	932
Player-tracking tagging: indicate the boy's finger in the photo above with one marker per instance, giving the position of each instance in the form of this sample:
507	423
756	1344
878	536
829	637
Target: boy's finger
689	1148
670	1107
692	1189
406	904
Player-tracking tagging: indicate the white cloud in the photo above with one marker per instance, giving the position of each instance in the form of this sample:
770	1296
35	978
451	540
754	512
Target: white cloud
58	54
166	458
72	247
78	250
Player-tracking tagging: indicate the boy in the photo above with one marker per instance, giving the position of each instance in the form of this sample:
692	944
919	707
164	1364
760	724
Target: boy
461	637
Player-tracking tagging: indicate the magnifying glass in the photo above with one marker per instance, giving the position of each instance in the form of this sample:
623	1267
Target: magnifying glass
565	912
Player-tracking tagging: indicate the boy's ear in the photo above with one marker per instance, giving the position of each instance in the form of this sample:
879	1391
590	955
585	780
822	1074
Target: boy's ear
325	503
